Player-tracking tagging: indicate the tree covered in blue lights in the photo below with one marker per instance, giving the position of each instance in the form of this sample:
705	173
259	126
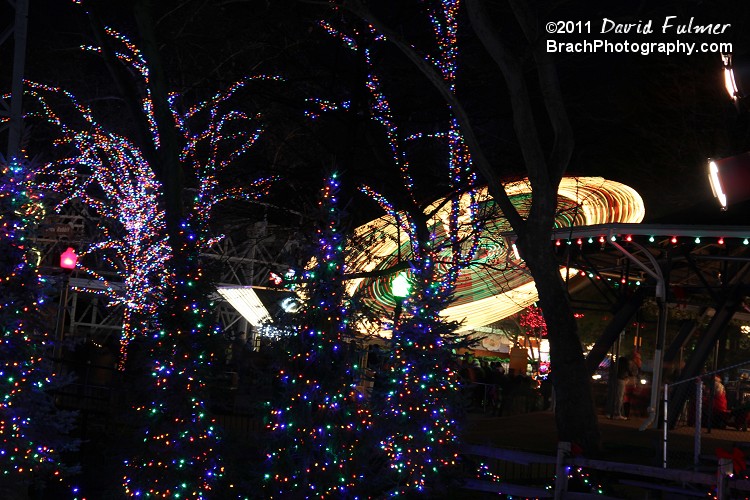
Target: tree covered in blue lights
318	423
34	433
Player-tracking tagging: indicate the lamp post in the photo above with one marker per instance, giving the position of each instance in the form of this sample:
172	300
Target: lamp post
400	288
68	261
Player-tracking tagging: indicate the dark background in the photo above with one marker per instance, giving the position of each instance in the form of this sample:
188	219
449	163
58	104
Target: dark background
648	121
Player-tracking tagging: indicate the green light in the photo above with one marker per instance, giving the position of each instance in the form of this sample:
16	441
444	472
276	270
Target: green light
697	239
651	239
400	286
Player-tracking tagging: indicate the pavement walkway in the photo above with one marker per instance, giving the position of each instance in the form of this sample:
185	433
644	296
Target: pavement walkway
622	441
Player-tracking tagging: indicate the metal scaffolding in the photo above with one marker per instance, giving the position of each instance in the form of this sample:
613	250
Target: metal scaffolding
13	110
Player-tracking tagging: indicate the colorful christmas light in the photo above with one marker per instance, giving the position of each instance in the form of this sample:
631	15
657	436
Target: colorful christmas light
161	272
33	432
416	407
318	424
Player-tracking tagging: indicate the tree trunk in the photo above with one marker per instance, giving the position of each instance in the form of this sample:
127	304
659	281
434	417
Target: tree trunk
575	413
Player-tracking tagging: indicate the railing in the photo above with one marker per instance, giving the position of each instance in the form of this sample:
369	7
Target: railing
647	478
491	398
709	428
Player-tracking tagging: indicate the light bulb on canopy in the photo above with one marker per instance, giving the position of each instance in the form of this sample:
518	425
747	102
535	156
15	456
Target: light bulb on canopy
497	284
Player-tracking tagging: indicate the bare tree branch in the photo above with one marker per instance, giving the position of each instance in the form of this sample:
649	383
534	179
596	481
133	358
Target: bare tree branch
523	116
490	174
563	141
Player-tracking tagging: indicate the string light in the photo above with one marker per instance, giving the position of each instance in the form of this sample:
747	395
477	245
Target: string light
318	424
161	274
33	432
417	410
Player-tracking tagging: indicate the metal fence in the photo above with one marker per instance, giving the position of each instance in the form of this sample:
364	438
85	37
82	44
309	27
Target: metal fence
713	421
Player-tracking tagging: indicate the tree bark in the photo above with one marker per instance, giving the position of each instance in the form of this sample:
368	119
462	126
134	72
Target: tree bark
575	411
167	166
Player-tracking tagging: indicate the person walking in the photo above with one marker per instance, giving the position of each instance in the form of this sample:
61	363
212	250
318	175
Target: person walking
627	370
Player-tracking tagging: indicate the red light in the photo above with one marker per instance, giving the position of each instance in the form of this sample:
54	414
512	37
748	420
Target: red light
629	238
721	241
275	278
601	239
674	239
579	241
68	259
557	243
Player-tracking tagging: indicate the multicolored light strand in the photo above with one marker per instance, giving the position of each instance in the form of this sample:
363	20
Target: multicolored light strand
109	174
417	407
161	272
317	430
33	432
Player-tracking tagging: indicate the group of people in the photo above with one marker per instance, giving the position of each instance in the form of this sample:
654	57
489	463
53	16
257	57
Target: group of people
714	403
490	389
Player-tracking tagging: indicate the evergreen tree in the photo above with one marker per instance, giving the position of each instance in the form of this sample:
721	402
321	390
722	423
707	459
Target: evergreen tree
318	427
33	432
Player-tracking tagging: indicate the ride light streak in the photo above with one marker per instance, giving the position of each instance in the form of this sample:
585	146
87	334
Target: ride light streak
496	284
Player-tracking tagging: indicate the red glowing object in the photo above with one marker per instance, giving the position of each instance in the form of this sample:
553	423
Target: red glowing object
68	259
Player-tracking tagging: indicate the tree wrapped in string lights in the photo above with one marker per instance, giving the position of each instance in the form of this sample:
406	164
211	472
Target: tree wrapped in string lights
33	432
112	175
109	174
317	427
154	241
418	406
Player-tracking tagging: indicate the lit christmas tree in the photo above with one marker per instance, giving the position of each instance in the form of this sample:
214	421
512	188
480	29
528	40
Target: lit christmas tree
155	247
419	403
33	432
317	428
418	406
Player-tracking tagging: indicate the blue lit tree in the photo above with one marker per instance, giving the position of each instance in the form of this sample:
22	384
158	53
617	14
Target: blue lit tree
318	423
418	408
33	432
